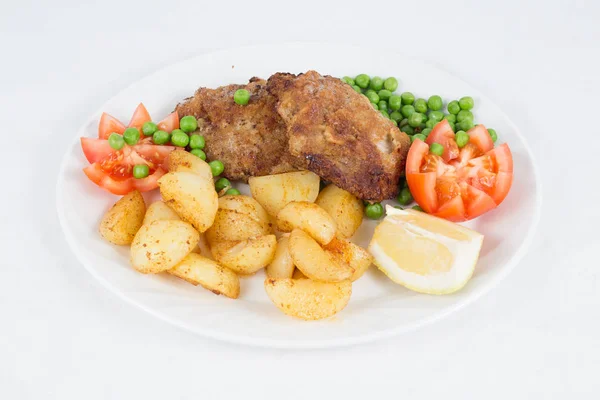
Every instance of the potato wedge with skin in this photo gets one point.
(306, 299)
(273, 192)
(310, 218)
(120, 224)
(343, 251)
(248, 206)
(181, 160)
(345, 208)
(313, 261)
(159, 211)
(191, 196)
(161, 245)
(233, 226)
(282, 265)
(245, 257)
(298, 274)
(199, 270)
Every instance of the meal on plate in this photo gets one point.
(318, 154)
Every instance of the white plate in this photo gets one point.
(378, 308)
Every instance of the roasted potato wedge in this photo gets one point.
(181, 160)
(199, 270)
(233, 226)
(345, 208)
(298, 274)
(310, 218)
(245, 257)
(273, 192)
(248, 206)
(191, 196)
(282, 265)
(345, 252)
(159, 211)
(161, 245)
(306, 299)
(120, 224)
(313, 261)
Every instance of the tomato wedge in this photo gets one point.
(109, 124)
(139, 118)
(170, 123)
(460, 185)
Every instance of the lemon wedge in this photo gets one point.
(424, 253)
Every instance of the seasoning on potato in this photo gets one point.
(248, 256)
(345, 208)
(120, 224)
(282, 265)
(309, 217)
(199, 270)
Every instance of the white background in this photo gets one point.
(537, 335)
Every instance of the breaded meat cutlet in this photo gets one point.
(336, 133)
(250, 140)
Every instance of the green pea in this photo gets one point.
(465, 125)
(450, 117)
(131, 136)
(140, 171)
(362, 81)
(426, 131)
(232, 192)
(149, 128)
(221, 184)
(464, 114)
(395, 102)
(493, 134)
(405, 197)
(417, 208)
(189, 123)
(466, 103)
(374, 211)
(382, 105)
(376, 83)
(421, 106)
(199, 153)
(407, 98)
(197, 142)
(384, 94)
(407, 110)
(241, 97)
(391, 84)
(430, 124)
(357, 88)
(415, 119)
(161, 137)
(461, 139)
(436, 115)
(372, 96)
(452, 126)
(418, 136)
(375, 106)
(394, 122)
(116, 141)
(216, 167)
(437, 149)
(453, 107)
(179, 138)
(409, 130)
(348, 80)
(396, 116)
(435, 103)
(384, 113)
(425, 119)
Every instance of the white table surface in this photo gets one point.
(536, 335)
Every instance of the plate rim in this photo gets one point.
(207, 332)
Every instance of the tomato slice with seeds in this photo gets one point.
(443, 134)
(464, 184)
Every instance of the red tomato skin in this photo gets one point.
(479, 136)
(139, 118)
(442, 134)
(453, 210)
(417, 151)
(109, 124)
(95, 149)
(170, 123)
(103, 180)
(150, 182)
(422, 188)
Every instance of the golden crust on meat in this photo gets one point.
(250, 140)
(336, 133)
